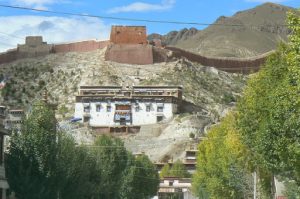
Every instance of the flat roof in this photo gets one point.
(120, 87)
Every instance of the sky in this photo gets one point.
(16, 24)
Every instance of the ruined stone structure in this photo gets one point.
(129, 45)
(33, 47)
(128, 35)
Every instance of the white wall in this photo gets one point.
(141, 117)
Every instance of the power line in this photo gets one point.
(134, 19)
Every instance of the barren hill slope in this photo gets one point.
(247, 33)
(208, 93)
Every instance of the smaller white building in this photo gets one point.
(117, 107)
(172, 187)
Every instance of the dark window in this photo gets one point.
(137, 109)
(122, 121)
(86, 119)
(170, 183)
(98, 108)
(86, 109)
(160, 109)
(148, 108)
(159, 118)
(108, 108)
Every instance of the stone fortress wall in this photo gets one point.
(35, 46)
(128, 44)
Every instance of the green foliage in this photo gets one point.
(270, 109)
(140, 172)
(63, 110)
(122, 175)
(45, 163)
(165, 171)
(292, 190)
(111, 157)
(177, 170)
(30, 163)
(222, 164)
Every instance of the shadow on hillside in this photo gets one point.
(189, 107)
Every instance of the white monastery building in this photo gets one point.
(113, 107)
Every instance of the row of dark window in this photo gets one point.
(108, 108)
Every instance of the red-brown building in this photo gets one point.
(128, 35)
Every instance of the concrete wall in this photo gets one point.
(239, 65)
(128, 35)
(83, 46)
(130, 54)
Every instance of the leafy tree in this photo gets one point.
(222, 163)
(45, 163)
(179, 170)
(165, 171)
(140, 180)
(123, 175)
(111, 157)
(30, 163)
(270, 109)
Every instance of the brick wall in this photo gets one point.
(128, 35)
(130, 54)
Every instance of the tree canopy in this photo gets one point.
(270, 109)
(222, 163)
(43, 162)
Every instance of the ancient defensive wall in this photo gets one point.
(130, 48)
(233, 65)
(35, 47)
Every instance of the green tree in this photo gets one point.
(30, 163)
(111, 157)
(140, 180)
(165, 171)
(123, 175)
(222, 165)
(179, 170)
(270, 109)
(45, 163)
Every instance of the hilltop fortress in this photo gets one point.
(129, 45)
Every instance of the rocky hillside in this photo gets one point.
(208, 93)
(255, 31)
(173, 37)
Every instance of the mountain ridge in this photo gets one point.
(247, 33)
